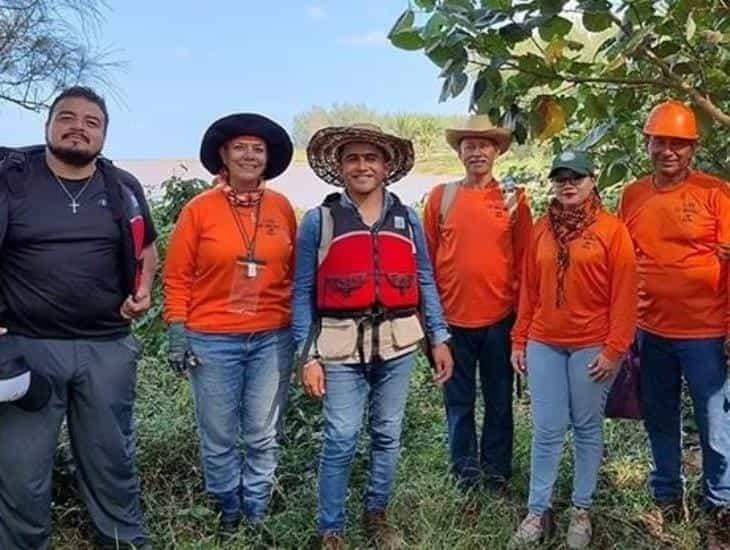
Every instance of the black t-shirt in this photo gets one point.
(62, 274)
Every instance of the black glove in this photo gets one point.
(179, 355)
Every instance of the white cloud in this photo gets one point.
(316, 12)
(373, 38)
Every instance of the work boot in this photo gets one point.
(719, 535)
(580, 529)
(332, 541)
(534, 529)
(379, 532)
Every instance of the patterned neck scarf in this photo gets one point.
(568, 224)
(240, 198)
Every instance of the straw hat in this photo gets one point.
(323, 151)
(480, 126)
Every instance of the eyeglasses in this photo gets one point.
(565, 180)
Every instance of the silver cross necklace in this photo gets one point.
(74, 204)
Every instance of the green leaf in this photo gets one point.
(515, 33)
(426, 4)
(458, 83)
(596, 21)
(594, 136)
(445, 90)
(616, 171)
(408, 40)
(555, 27)
(403, 23)
(690, 28)
(434, 26)
(502, 5)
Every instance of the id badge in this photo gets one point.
(246, 286)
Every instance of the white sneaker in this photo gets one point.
(580, 529)
(530, 532)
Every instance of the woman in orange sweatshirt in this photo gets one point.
(228, 281)
(576, 318)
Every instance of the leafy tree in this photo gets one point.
(45, 46)
(583, 72)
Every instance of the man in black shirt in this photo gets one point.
(77, 260)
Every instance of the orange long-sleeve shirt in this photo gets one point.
(600, 289)
(683, 285)
(476, 253)
(205, 282)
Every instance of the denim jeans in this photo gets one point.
(489, 347)
(564, 395)
(702, 362)
(240, 391)
(351, 390)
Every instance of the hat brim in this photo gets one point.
(565, 166)
(279, 146)
(30, 393)
(323, 152)
(501, 136)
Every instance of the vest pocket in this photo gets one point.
(337, 339)
(407, 331)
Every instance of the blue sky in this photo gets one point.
(189, 61)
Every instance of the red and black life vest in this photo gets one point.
(364, 269)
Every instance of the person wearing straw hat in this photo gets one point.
(678, 217)
(477, 229)
(362, 275)
(228, 279)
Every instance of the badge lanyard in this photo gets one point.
(249, 261)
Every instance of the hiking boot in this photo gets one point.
(719, 535)
(379, 532)
(579, 530)
(332, 541)
(534, 529)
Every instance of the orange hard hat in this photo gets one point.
(672, 119)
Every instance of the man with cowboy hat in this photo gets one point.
(677, 218)
(477, 231)
(362, 275)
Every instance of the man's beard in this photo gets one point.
(73, 157)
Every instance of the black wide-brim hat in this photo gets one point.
(278, 143)
(38, 392)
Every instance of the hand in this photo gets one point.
(179, 355)
(3, 330)
(519, 364)
(443, 363)
(135, 305)
(723, 250)
(313, 379)
(602, 368)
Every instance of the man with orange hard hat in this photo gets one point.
(678, 217)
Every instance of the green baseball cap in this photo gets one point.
(579, 162)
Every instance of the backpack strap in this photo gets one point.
(447, 199)
(326, 231)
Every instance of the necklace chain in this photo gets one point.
(74, 204)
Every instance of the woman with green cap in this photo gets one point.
(576, 318)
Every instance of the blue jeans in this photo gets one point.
(489, 347)
(350, 390)
(240, 391)
(563, 395)
(702, 362)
